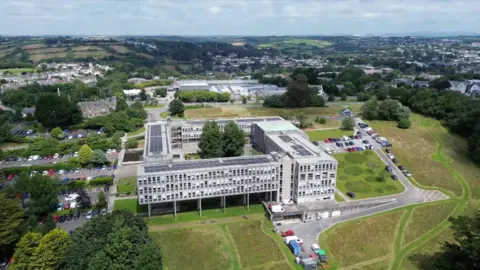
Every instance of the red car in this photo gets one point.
(10, 177)
(56, 219)
(328, 141)
(288, 233)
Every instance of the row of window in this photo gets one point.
(315, 192)
(317, 167)
(317, 184)
(229, 181)
(310, 176)
(213, 184)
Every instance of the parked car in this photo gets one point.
(394, 160)
(388, 168)
(315, 143)
(89, 214)
(103, 212)
(388, 150)
(407, 173)
(394, 177)
(351, 194)
(77, 215)
(401, 167)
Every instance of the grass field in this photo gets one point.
(424, 218)
(239, 245)
(46, 50)
(362, 240)
(86, 48)
(145, 55)
(16, 71)
(127, 185)
(130, 204)
(120, 49)
(320, 135)
(34, 46)
(437, 159)
(295, 42)
(236, 111)
(96, 54)
(40, 57)
(364, 174)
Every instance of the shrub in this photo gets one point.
(101, 181)
(404, 124)
(322, 120)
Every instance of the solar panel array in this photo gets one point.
(285, 138)
(301, 150)
(245, 120)
(198, 164)
(155, 140)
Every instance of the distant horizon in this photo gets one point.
(242, 17)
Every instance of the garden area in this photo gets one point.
(127, 185)
(364, 174)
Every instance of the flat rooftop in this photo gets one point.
(297, 146)
(156, 140)
(237, 120)
(277, 126)
(205, 164)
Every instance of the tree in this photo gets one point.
(53, 111)
(51, 249)
(176, 107)
(12, 222)
(298, 93)
(143, 95)
(98, 157)
(343, 97)
(403, 113)
(24, 251)
(331, 97)
(43, 197)
(322, 120)
(18, 114)
(370, 109)
(83, 199)
(233, 140)
(56, 133)
(102, 201)
(85, 154)
(348, 124)
(349, 89)
(404, 123)
(388, 109)
(302, 120)
(382, 94)
(464, 252)
(115, 241)
(30, 117)
(244, 99)
(162, 92)
(441, 84)
(210, 144)
(121, 105)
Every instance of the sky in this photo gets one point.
(237, 17)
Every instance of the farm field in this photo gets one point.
(239, 245)
(46, 50)
(16, 71)
(34, 46)
(320, 135)
(364, 174)
(437, 159)
(237, 111)
(40, 57)
(295, 42)
(96, 54)
(86, 48)
(120, 49)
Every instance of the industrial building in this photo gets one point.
(291, 169)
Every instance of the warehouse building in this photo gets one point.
(291, 170)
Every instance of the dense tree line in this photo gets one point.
(298, 94)
(214, 143)
(202, 96)
(387, 110)
(52, 110)
(278, 81)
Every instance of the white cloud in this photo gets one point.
(214, 10)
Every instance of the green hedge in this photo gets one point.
(101, 181)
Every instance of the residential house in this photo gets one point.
(459, 86)
(401, 81)
(473, 89)
(421, 84)
(340, 87)
(26, 111)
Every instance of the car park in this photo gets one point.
(351, 194)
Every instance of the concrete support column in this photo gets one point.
(303, 216)
(244, 199)
(149, 210)
(199, 203)
(222, 202)
(248, 201)
(175, 210)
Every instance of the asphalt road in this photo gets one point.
(310, 231)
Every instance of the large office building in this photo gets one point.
(291, 168)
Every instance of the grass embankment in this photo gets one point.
(364, 174)
(437, 159)
(320, 135)
(130, 204)
(240, 245)
(136, 132)
(127, 185)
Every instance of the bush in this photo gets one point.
(404, 124)
(322, 120)
(101, 181)
(331, 97)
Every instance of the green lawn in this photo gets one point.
(206, 214)
(136, 132)
(154, 106)
(127, 185)
(339, 198)
(364, 174)
(361, 240)
(130, 204)
(320, 135)
(424, 218)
